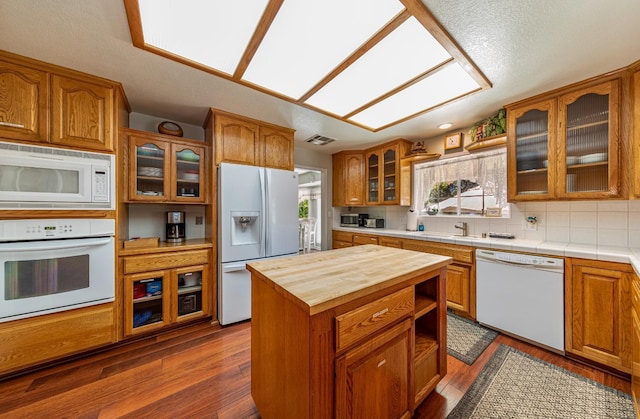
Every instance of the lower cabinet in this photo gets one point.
(372, 380)
(598, 319)
(458, 284)
(39, 339)
(635, 359)
(176, 291)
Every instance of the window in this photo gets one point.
(463, 186)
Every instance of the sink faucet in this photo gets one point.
(462, 227)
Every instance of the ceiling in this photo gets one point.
(523, 47)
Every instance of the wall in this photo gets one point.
(150, 123)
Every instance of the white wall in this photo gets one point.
(150, 123)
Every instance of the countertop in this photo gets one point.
(611, 254)
(323, 280)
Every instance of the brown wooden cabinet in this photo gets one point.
(370, 177)
(24, 111)
(373, 352)
(383, 180)
(368, 374)
(164, 169)
(50, 104)
(162, 289)
(461, 284)
(243, 140)
(566, 144)
(461, 290)
(635, 359)
(39, 339)
(635, 141)
(598, 323)
(348, 179)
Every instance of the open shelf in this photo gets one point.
(424, 304)
(425, 346)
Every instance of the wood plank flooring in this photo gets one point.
(200, 371)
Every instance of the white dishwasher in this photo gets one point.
(521, 295)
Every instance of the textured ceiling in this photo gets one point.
(524, 47)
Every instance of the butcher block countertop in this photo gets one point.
(320, 281)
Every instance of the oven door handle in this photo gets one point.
(57, 246)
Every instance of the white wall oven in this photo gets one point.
(53, 265)
(33, 177)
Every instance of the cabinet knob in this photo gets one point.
(381, 363)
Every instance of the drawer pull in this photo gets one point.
(381, 363)
(11, 124)
(380, 313)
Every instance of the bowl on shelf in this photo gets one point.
(594, 158)
(571, 160)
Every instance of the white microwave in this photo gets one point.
(33, 177)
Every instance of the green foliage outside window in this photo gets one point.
(303, 209)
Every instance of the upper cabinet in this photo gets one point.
(246, 141)
(369, 177)
(48, 104)
(383, 172)
(161, 168)
(566, 145)
(635, 143)
(348, 179)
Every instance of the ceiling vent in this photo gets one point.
(319, 140)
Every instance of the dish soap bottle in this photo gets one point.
(420, 226)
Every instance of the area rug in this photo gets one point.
(467, 340)
(517, 385)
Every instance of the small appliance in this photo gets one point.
(353, 220)
(374, 223)
(175, 227)
(33, 177)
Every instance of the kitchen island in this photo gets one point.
(360, 330)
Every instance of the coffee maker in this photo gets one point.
(175, 227)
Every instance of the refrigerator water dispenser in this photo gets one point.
(245, 228)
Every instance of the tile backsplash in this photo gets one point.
(597, 223)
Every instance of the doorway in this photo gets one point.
(310, 209)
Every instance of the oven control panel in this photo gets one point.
(20, 230)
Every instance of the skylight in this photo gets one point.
(372, 63)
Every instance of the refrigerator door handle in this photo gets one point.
(264, 246)
(234, 267)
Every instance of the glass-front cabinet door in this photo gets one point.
(390, 172)
(188, 165)
(148, 170)
(189, 292)
(146, 302)
(531, 164)
(588, 139)
(373, 178)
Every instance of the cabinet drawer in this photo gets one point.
(342, 236)
(361, 239)
(157, 261)
(459, 253)
(358, 323)
(340, 244)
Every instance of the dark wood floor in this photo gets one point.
(201, 372)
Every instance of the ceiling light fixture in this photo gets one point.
(372, 64)
(445, 125)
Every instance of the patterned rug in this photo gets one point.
(516, 385)
(467, 340)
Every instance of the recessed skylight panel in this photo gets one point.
(213, 33)
(447, 84)
(309, 38)
(401, 56)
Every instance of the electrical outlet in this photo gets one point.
(198, 220)
(529, 226)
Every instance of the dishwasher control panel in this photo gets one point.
(520, 259)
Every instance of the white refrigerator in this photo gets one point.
(257, 219)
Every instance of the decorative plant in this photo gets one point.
(494, 125)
